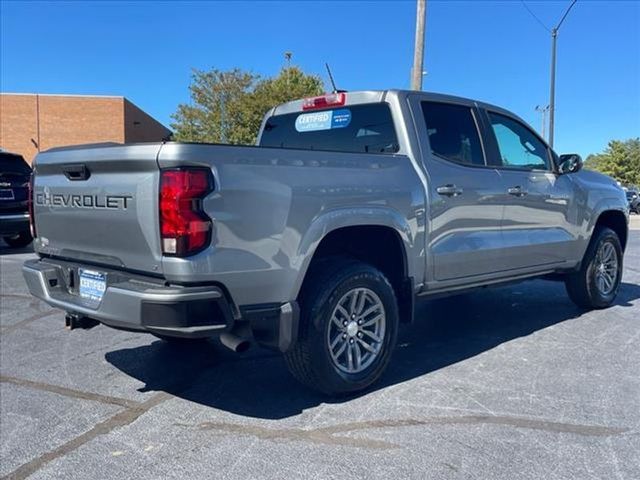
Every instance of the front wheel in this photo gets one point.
(596, 284)
(348, 327)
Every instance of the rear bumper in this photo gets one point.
(13, 223)
(133, 302)
(146, 304)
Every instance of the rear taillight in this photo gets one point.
(32, 221)
(184, 227)
(325, 101)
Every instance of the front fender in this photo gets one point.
(604, 205)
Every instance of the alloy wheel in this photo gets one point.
(356, 332)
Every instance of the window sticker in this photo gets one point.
(341, 118)
(312, 122)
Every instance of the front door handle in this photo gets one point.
(516, 191)
(449, 190)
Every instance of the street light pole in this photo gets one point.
(552, 89)
(544, 111)
(418, 51)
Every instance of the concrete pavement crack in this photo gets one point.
(70, 392)
(22, 323)
(121, 419)
(327, 435)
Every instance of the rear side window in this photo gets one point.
(366, 128)
(519, 146)
(453, 134)
(10, 163)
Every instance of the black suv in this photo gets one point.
(633, 197)
(15, 174)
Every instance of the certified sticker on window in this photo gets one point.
(312, 122)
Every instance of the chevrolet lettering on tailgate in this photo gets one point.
(83, 201)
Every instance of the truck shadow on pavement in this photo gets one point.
(446, 331)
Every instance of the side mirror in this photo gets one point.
(570, 163)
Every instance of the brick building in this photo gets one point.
(31, 122)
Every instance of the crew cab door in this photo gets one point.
(463, 193)
(536, 227)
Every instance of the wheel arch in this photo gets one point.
(378, 236)
(616, 220)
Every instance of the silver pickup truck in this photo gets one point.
(317, 241)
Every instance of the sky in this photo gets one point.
(494, 51)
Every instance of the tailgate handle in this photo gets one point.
(78, 171)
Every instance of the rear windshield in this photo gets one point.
(13, 164)
(366, 128)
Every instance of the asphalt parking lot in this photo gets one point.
(506, 383)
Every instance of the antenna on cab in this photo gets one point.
(333, 83)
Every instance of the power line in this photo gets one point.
(566, 13)
(536, 17)
(552, 90)
(554, 37)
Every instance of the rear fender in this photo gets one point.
(350, 217)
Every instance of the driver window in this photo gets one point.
(519, 147)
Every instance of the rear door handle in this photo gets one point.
(516, 191)
(449, 190)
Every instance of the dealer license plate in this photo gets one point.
(92, 284)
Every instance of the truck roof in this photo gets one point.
(372, 96)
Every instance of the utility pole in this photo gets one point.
(418, 50)
(544, 111)
(287, 56)
(552, 90)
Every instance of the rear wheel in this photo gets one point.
(596, 284)
(348, 329)
(19, 241)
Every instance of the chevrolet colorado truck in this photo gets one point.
(318, 240)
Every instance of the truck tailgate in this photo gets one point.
(99, 205)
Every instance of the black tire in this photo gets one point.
(309, 360)
(19, 241)
(581, 285)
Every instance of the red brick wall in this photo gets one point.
(71, 120)
(78, 120)
(18, 125)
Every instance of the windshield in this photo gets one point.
(366, 128)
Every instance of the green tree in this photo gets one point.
(620, 160)
(228, 107)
